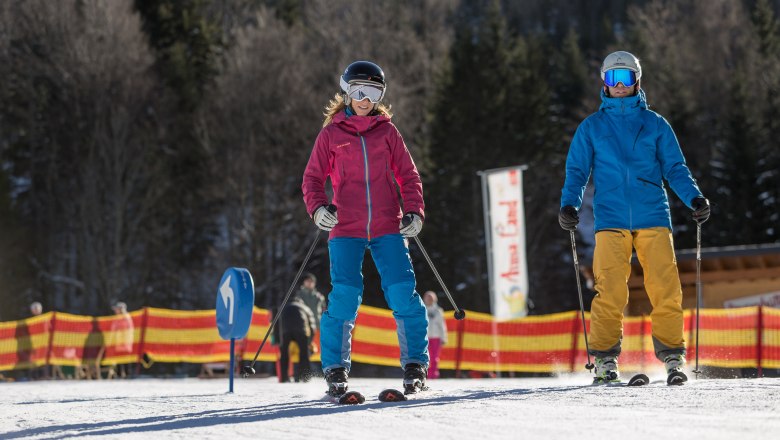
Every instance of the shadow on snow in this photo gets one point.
(259, 414)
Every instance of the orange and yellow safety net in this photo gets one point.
(736, 338)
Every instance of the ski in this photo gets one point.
(676, 378)
(392, 395)
(636, 380)
(348, 398)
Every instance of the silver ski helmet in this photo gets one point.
(621, 60)
(361, 80)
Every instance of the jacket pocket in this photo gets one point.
(617, 231)
(348, 159)
(390, 178)
(651, 183)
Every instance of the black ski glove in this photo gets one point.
(568, 218)
(701, 209)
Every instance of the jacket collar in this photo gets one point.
(358, 124)
(623, 106)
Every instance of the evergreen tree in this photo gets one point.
(188, 44)
(492, 110)
(16, 274)
(767, 31)
(736, 164)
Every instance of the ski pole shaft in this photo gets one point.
(459, 313)
(589, 365)
(250, 368)
(698, 292)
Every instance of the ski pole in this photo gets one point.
(589, 365)
(698, 293)
(249, 369)
(459, 313)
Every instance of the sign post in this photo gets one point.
(235, 303)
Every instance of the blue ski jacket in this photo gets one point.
(629, 150)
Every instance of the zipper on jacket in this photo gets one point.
(630, 213)
(368, 187)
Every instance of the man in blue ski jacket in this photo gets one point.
(629, 150)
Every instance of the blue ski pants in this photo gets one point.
(391, 256)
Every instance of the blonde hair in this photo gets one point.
(337, 104)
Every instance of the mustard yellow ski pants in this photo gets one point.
(612, 267)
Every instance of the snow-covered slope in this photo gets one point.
(553, 408)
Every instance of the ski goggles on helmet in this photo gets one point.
(615, 76)
(362, 90)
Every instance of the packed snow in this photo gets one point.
(506, 408)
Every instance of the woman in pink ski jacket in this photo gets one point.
(367, 161)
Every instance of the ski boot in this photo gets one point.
(337, 381)
(606, 370)
(674, 373)
(414, 378)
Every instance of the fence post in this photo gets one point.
(760, 341)
(691, 326)
(642, 342)
(142, 342)
(575, 331)
(459, 347)
(51, 338)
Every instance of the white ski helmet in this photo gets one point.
(621, 60)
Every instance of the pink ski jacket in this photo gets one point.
(364, 156)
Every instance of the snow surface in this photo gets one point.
(549, 408)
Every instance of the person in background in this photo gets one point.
(122, 336)
(296, 324)
(312, 297)
(629, 151)
(316, 303)
(36, 308)
(437, 331)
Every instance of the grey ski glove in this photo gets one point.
(411, 224)
(325, 217)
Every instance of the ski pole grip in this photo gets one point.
(331, 208)
(406, 220)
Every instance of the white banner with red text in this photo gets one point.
(506, 243)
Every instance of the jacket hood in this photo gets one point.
(358, 124)
(627, 105)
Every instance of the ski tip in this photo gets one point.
(392, 395)
(639, 380)
(351, 398)
(676, 378)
